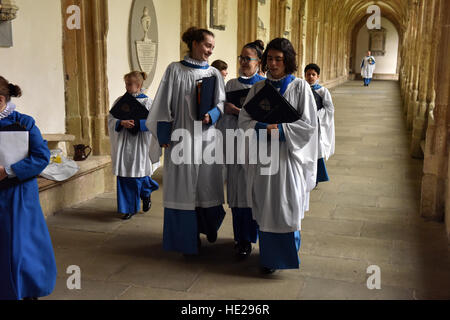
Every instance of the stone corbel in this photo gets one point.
(8, 10)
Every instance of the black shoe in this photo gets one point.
(30, 299)
(127, 216)
(212, 237)
(243, 250)
(266, 270)
(146, 204)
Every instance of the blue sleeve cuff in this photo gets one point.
(163, 131)
(259, 126)
(118, 126)
(282, 135)
(214, 114)
(143, 127)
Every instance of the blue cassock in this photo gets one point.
(27, 261)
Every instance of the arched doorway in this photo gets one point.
(388, 58)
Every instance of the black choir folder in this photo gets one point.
(14, 146)
(128, 108)
(237, 97)
(319, 100)
(269, 106)
(206, 88)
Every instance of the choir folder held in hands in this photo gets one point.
(128, 108)
(237, 97)
(269, 106)
(206, 88)
(14, 147)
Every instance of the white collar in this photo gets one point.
(8, 110)
(244, 77)
(190, 60)
(138, 94)
(269, 76)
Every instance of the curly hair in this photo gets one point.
(285, 46)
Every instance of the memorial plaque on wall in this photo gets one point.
(377, 42)
(143, 38)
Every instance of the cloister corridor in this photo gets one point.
(368, 214)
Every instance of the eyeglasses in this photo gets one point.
(247, 59)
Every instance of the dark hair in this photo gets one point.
(9, 90)
(285, 46)
(194, 34)
(313, 66)
(258, 46)
(220, 65)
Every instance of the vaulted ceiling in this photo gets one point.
(356, 10)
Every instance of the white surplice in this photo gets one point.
(188, 185)
(133, 156)
(280, 200)
(367, 69)
(236, 173)
(326, 125)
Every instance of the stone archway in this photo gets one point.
(356, 53)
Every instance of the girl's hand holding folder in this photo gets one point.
(3, 174)
(271, 127)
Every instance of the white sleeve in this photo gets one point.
(299, 133)
(326, 119)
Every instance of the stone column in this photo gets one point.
(414, 92)
(425, 73)
(193, 14)
(86, 83)
(434, 183)
(297, 32)
(277, 18)
(247, 29)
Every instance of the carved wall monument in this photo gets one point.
(143, 39)
(262, 31)
(8, 12)
(218, 14)
(377, 42)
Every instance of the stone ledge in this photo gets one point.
(58, 141)
(88, 166)
(58, 137)
(94, 177)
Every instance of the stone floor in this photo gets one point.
(367, 215)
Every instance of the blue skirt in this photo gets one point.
(27, 261)
(322, 174)
(130, 191)
(244, 227)
(279, 250)
(182, 227)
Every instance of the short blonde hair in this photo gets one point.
(140, 77)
